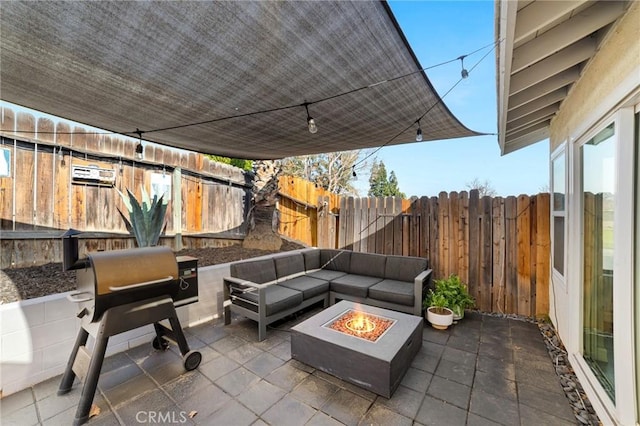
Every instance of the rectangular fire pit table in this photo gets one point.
(377, 366)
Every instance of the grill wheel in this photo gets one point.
(192, 360)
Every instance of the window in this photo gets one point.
(598, 170)
(558, 205)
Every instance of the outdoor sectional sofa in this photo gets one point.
(270, 289)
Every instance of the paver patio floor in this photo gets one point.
(482, 371)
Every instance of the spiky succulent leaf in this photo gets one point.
(146, 219)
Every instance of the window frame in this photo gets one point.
(559, 277)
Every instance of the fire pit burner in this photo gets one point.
(361, 324)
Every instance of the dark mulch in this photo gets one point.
(36, 281)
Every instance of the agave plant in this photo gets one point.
(146, 219)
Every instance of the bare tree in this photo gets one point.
(484, 188)
(263, 214)
(333, 171)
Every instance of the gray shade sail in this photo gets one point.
(163, 65)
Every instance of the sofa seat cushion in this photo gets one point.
(309, 286)
(400, 292)
(356, 285)
(326, 274)
(278, 299)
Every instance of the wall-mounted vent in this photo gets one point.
(93, 175)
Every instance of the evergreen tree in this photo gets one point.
(393, 188)
(382, 186)
(378, 180)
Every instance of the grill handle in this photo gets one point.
(73, 297)
(138, 285)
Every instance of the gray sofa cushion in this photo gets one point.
(324, 274)
(311, 259)
(278, 299)
(257, 271)
(367, 264)
(307, 285)
(289, 264)
(356, 285)
(404, 268)
(393, 291)
(335, 260)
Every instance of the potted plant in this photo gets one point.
(456, 295)
(437, 312)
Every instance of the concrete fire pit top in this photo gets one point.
(385, 348)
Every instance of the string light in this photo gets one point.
(61, 157)
(139, 147)
(464, 73)
(418, 132)
(311, 123)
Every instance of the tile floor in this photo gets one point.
(482, 371)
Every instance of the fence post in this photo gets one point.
(176, 196)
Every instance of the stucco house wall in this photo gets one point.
(617, 60)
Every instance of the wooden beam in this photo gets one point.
(537, 116)
(565, 34)
(529, 129)
(526, 140)
(533, 106)
(538, 90)
(539, 14)
(560, 61)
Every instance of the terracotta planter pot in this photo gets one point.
(440, 318)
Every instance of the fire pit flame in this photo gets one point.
(360, 324)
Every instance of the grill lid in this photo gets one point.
(132, 268)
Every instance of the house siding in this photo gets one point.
(617, 58)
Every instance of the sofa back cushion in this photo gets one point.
(335, 260)
(257, 271)
(368, 264)
(311, 259)
(289, 264)
(404, 268)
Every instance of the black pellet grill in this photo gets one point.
(118, 291)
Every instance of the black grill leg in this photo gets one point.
(91, 381)
(69, 376)
(179, 335)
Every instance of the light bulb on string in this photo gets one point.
(311, 123)
(464, 73)
(61, 157)
(139, 148)
(419, 133)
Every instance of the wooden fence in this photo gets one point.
(307, 213)
(499, 246)
(38, 192)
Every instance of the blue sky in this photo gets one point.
(439, 31)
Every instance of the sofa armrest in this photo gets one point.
(229, 281)
(420, 283)
(231, 284)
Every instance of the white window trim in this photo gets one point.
(624, 409)
(558, 277)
